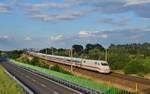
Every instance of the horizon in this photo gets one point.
(84, 46)
(62, 23)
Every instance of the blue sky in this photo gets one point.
(62, 23)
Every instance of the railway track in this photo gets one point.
(134, 83)
(131, 78)
(120, 80)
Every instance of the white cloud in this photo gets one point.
(121, 21)
(57, 38)
(4, 37)
(81, 8)
(43, 17)
(69, 15)
(85, 34)
(104, 36)
(4, 8)
(39, 6)
(66, 15)
(134, 2)
(28, 38)
(92, 34)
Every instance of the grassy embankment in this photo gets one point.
(77, 80)
(7, 85)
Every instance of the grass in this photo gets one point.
(7, 85)
(83, 82)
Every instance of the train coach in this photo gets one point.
(94, 65)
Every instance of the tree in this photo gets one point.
(118, 58)
(48, 50)
(92, 46)
(96, 54)
(136, 67)
(62, 52)
(78, 49)
(14, 54)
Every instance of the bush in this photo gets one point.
(59, 69)
(24, 59)
(147, 64)
(118, 61)
(35, 61)
(135, 67)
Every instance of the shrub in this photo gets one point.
(24, 59)
(59, 69)
(35, 61)
(147, 64)
(118, 61)
(135, 67)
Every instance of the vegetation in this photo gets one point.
(7, 85)
(0, 53)
(59, 69)
(74, 79)
(14, 54)
(36, 62)
(131, 58)
(127, 57)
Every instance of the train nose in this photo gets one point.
(106, 69)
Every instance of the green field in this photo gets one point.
(7, 85)
(77, 80)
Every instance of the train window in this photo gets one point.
(104, 64)
(84, 61)
(96, 63)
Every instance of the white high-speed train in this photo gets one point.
(94, 65)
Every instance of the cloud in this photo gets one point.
(82, 37)
(28, 39)
(77, 8)
(85, 34)
(65, 16)
(134, 2)
(123, 21)
(56, 38)
(4, 37)
(43, 17)
(93, 34)
(104, 36)
(73, 9)
(139, 7)
(49, 5)
(4, 8)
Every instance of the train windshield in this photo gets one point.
(104, 64)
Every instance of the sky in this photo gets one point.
(62, 23)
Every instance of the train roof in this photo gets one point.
(74, 58)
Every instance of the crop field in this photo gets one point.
(83, 82)
(7, 85)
